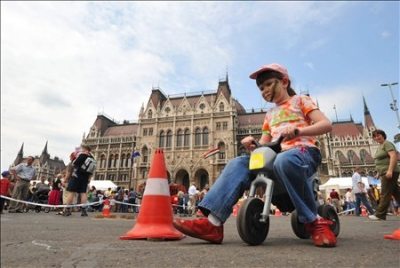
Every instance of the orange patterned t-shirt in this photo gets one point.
(292, 112)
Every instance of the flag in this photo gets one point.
(211, 152)
(135, 154)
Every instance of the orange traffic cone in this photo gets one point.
(106, 209)
(278, 213)
(155, 216)
(394, 236)
(364, 212)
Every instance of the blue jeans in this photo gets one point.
(362, 197)
(294, 168)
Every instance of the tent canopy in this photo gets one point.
(103, 185)
(342, 183)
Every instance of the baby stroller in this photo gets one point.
(41, 196)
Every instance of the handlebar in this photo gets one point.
(274, 145)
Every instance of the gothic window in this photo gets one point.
(162, 139)
(179, 138)
(127, 158)
(205, 136)
(218, 126)
(102, 161)
(221, 107)
(150, 114)
(145, 154)
(197, 137)
(115, 164)
(167, 110)
(150, 131)
(221, 147)
(363, 156)
(350, 156)
(169, 139)
(122, 160)
(145, 132)
(186, 138)
(224, 125)
(110, 161)
(202, 106)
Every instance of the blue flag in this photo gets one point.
(135, 154)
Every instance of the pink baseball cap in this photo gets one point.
(271, 67)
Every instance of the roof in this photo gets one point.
(344, 129)
(250, 119)
(121, 130)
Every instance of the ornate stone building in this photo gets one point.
(188, 125)
(44, 165)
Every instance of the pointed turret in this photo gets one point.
(369, 123)
(20, 156)
(45, 155)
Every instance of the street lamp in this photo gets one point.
(393, 105)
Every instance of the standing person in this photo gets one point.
(23, 173)
(192, 198)
(55, 193)
(4, 188)
(335, 198)
(298, 120)
(386, 164)
(360, 192)
(84, 166)
(349, 201)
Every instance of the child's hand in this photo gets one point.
(290, 132)
(249, 143)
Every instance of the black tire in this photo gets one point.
(329, 212)
(299, 228)
(250, 229)
(46, 210)
(38, 209)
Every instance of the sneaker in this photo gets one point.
(201, 228)
(321, 233)
(375, 218)
(66, 213)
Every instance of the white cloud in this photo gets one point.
(386, 34)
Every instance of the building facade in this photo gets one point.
(45, 166)
(188, 125)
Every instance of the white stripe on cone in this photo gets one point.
(156, 187)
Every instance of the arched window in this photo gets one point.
(179, 138)
(145, 154)
(221, 107)
(116, 158)
(221, 147)
(363, 156)
(150, 114)
(162, 139)
(197, 137)
(169, 139)
(122, 160)
(186, 138)
(205, 136)
(350, 156)
(110, 161)
(102, 161)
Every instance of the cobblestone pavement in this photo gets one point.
(48, 240)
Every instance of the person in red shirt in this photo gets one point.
(4, 188)
(335, 199)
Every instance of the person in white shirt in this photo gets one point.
(349, 202)
(192, 198)
(360, 192)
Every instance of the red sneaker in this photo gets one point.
(321, 233)
(201, 228)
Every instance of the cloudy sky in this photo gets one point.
(62, 63)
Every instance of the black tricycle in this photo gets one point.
(253, 216)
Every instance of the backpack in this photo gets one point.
(89, 166)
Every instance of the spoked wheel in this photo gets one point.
(250, 229)
(299, 228)
(329, 212)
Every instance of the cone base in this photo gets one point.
(153, 233)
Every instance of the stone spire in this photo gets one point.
(20, 156)
(45, 155)
(369, 123)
